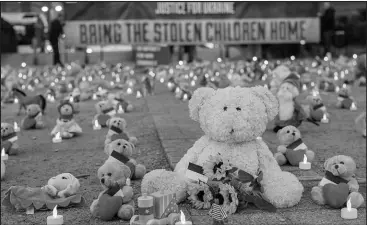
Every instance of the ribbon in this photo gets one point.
(107, 110)
(120, 157)
(145, 211)
(66, 117)
(335, 179)
(195, 168)
(10, 136)
(318, 106)
(116, 129)
(297, 145)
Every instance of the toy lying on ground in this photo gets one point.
(9, 139)
(60, 190)
(291, 148)
(345, 101)
(25, 100)
(120, 103)
(120, 151)
(339, 184)
(34, 118)
(66, 124)
(117, 197)
(105, 111)
(316, 109)
(117, 130)
(361, 124)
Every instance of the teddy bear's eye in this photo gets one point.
(225, 108)
(287, 131)
(109, 174)
(238, 109)
(119, 144)
(64, 178)
(341, 162)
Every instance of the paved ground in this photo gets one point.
(178, 132)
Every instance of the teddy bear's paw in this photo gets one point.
(317, 196)
(133, 140)
(126, 212)
(310, 155)
(94, 208)
(158, 180)
(356, 199)
(13, 151)
(129, 108)
(51, 190)
(282, 189)
(140, 171)
(281, 149)
(66, 135)
(280, 158)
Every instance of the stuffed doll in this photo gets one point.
(290, 111)
(361, 124)
(339, 184)
(9, 139)
(105, 111)
(66, 124)
(316, 108)
(34, 118)
(117, 130)
(62, 185)
(291, 148)
(120, 151)
(345, 101)
(117, 197)
(74, 99)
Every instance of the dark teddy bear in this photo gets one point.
(66, 124)
(345, 101)
(117, 130)
(9, 139)
(105, 111)
(33, 120)
(317, 109)
(120, 151)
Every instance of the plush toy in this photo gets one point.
(121, 102)
(316, 109)
(105, 111)
(117, 197)
(74, 99)
(62, 185)
(120, 151)
(290, 111)
(279, 74)
(117, 130)
(232, 118)
(361, 124)
(291, 148)
(66, 124)
(345, 101)
(339, 184)
(34, 119)
(9, 139)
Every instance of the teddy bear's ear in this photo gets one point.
(198, 99)
(326, 163)
(75, 185)
(269, 100)
(108, 122)
(126, 170)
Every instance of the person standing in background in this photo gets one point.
(327, 26)
(56, 30)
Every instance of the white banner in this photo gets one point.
(186, 32)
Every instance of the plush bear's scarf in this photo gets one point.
(316, 107)
(109, 111)
(341, 97)
(331, 179)
(11, 137)
(116, 129)
(125, 160)
(297, 145)
(66, 117)
(34, 116)
(115, 191)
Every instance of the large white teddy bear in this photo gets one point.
(232, 119)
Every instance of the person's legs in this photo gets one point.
(55, 48)
(327, 35)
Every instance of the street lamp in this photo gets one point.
(58, 8)
(44, 8)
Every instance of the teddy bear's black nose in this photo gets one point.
(336, 166)
(232, 131)
(294, 134)
(102, 180)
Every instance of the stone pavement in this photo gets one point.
(178, 132)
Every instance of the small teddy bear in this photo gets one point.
(317, 109)
(120, 151)
(74, 99)
(105, 111)
(9, 139)
(66, 124)
(117, 197)
(33, 120)
(361, 124)
(62, 185)
(339, 184)
(345, 101)
(291, 148)
(121, 102)
(117, 130)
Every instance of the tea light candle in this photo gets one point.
(185, 97)
(183, 220)
(57, 138)
(337, 89)
(16, 101)
(304, 87)
(71, 99)
(324, 119)
(138, 94)
(4, 156)
(305, 165)
(121, 110)
(16, 127)
(55, 219)
(353, 107)
(94, 97)
(96, 125)
(349, 213)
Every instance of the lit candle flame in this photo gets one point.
(121, 110)
(71, 99)
(185, 97)
(344, 85)
(304, 159)
(3, 152)
(304, 87)
(349, 205)
(58, 135)
(16, 101)
(54, 212)
(353, 106)
(337, 89)
(324, 117)
(183, 219)
(177, 90)
(94, 96)
(138, 94)
(161, 80)
(96, 124)
(129, 91)
(15, 125)
(193, 83)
